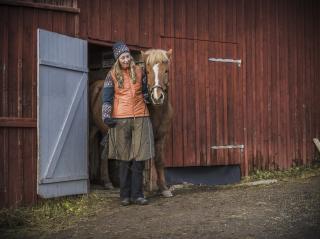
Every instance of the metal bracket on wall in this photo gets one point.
(237, 146)
(226, 60)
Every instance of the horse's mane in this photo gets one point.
(156, 56)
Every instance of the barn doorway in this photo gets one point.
(103, 172)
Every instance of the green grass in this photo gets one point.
(51, 215)
(294, 172)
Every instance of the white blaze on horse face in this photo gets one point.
(156, 79)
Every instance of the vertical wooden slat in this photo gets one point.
(202, 19)
(83, 18)
(132, 24)
(168, 18)
(118, 22)
(105, 20)
(191, 19)
(190, 81)
(179, 18)
(28, 62)
(28, 151)
(4, 106)
(94, 19)
(146, 22)
(45, 20)
(59, 22)
(178, 107)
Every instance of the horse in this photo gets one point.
(156, 63)
(161, 111)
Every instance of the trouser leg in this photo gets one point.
(125, 179)
(137, 179)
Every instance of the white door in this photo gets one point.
(62, 115)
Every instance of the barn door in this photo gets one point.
(62, 115)
(206, 95)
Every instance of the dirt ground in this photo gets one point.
(285, 209)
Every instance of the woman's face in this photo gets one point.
(125, 60)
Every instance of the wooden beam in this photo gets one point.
(317, 143)
(18, 122)
(40, 6)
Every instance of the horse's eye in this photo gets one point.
(166, 71)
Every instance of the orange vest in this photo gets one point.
(128, 100)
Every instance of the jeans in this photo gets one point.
(131, 179)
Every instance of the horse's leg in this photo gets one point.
(104, 166)
(159, 165)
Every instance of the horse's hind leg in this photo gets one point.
(104, 167)
(159, 165)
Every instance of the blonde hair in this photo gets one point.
(119, 73)
(156, 56)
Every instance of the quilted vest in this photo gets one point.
(128, 100)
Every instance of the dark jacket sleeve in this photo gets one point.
(145, 88)
(107, 97)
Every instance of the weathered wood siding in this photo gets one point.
(277, 86)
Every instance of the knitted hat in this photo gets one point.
(119, 48)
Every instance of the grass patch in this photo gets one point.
(294, 172)
(51, 215)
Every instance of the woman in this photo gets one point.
(124, 110)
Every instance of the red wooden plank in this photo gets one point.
(177, 104)
(14, 169)
(59, 22)
(293, 85)
(45, 20)
(202, 19)
(4, 61)
(189, 107)
(28, 75)
(105, 20)
(184, 107)
(213, 89)
(83, 18)
(259, 78)
(202, 78)
(219, 104)
(249, 41)
(179, 18)
(157, 23)
(132, 26)
(191, 19)
(94, 19)
(267, 77)
(118, 20)
(71, 24)
(13, 60)
(242, 75)
(168, 18)
(308, 76)
(146, 23)
(29, 156)
(4, 167)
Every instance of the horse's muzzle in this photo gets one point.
(157, 95)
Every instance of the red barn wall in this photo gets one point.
(276, 92)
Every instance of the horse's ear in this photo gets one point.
(169, 53)
(143, 55)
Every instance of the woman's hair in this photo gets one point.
(119, 75)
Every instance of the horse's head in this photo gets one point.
(157, 69)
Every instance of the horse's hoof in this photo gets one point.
(108, 186)
(167, 194)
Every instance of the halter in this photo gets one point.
(163, 94)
